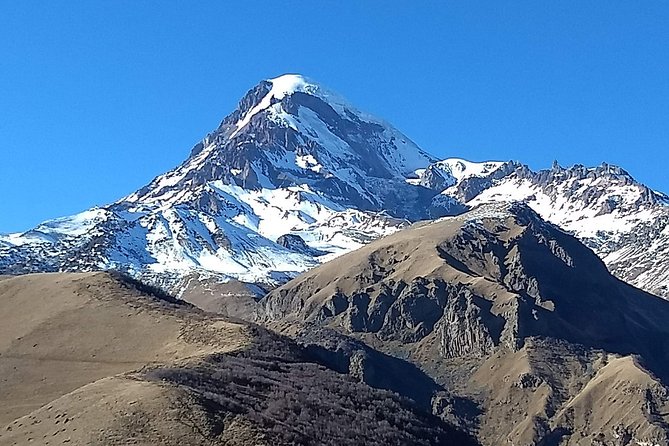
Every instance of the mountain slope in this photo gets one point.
(504, 308)
(61, 331)
(98, 359)
(290, 131)
(622, 220)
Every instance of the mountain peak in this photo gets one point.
(279, 87)
(270, 92)
(289, 131)
(290, 83)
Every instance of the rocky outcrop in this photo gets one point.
(500, 308)
(296, 243)
(622, 220)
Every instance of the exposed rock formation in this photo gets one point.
(503, 308)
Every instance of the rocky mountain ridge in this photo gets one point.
(622, 220)
(505, 310)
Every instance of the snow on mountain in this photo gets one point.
(296, 176)
(293, 159)
(455, 170)
(622, 220)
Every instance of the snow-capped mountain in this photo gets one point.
(296, 175)
(293, 158)
(622, 220)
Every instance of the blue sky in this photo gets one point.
(97, 98)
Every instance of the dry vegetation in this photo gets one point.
(99, 359)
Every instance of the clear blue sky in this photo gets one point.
(98, 97)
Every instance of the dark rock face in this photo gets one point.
(367, 153)
(557, 283)
(494, 289)
(250, 100)
(348, 355)
(296, 243)
(433, 179)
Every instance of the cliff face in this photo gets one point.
(500, 307)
